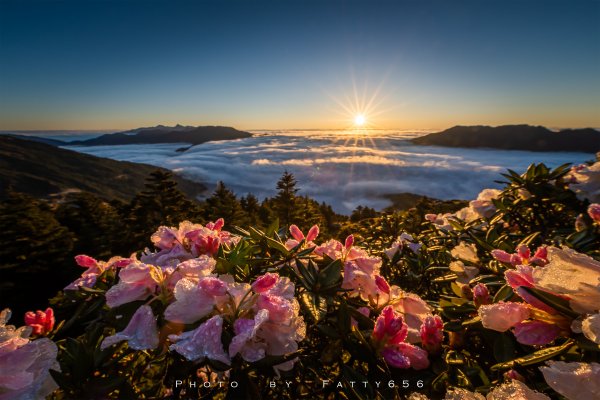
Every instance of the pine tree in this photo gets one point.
(160, 203)
(35, 248)
(285, 204)
(224, 204)
(95, 223)
(251, 207)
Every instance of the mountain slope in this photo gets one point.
(165, 134)
(515, 137)
(41, 170)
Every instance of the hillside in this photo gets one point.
(515, 137)
(165, 134)
(41, 170)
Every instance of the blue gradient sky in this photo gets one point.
(284, 64)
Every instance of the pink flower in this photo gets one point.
(202, 342)
(395, 358)
(265, 282)
(389, 327)
(208, 239)
(141, 333)
(24, 363)
(280, 310)
(522, 256)
(594, 212)
(246, 342)
(298, 236)
(403, 240)
(382, 284)
(360, 277)
(213, 286)
(332, 249)
(432, 334)
(574, 380)
(536, 333)
(481, 295)
(404, 356)
(195, 300)
(41, 322)
(413, 309)
(86, 261)
(514, 375)
(136, 282)
(503, 315)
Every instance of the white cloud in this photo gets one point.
(342, 170)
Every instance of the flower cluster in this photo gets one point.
(24, 363)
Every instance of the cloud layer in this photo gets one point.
(343, 170)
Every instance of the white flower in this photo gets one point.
(571, 274)
(574, 380)
(587, 182)
(591, 328)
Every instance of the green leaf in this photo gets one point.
(314, 305)
(331, 275)
(504, 347)
(559, 304)
(536, 357)
(503, 294)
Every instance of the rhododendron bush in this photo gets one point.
(499, 300)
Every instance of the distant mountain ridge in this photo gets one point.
(166, 134)
(42, 170)
(515, 137)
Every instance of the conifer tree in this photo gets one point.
(251, 207)
(285, 203)
(35, 248)
(224, 204)
(95, 223)
(160, 203)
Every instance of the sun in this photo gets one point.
(359, 120)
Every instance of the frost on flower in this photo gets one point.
(202, 342)
(141, 333)
(574, 380)
(24, 364)
(591, 328)
(586, 181)
(195, 299)
(136, 282)
(413, 309)
(246, 340)
(503, 315)
(571, 274)
(176, 245)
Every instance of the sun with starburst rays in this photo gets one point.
(359, 107)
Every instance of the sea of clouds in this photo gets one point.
(342, 169)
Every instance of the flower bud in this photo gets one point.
(382, 284)
(594, 212)
(481, 295)
(432, 334)
(512, 374)
(265, 282)
(42, 322)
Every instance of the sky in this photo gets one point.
(298, 64)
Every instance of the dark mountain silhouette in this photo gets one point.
(166, 134)
(52, 142)
(515, 137)
(42, 170)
